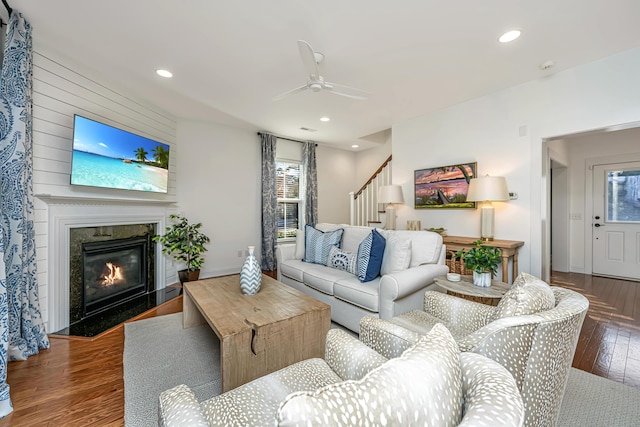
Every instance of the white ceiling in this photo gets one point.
(230, 58)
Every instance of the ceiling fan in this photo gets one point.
(317, 83)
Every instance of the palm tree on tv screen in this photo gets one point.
(161, 156)
(141, 154)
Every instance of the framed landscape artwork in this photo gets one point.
(444, 187)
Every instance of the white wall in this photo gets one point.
(488, 130)
(336, 179)
(368, 161)
(220, 185)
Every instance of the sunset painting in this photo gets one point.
(444, 187)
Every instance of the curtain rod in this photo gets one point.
(280, 137)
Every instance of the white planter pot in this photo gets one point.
(482, 279)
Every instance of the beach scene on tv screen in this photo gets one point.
(104, 156)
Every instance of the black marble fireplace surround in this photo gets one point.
(98, 297)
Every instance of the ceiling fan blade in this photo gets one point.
(289, 93)
(349, 92)
(308, 58)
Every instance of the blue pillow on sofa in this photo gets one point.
(370, 254)
(317, 244)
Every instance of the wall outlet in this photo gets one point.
(513, 196)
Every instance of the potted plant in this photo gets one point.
(184, 242)
(482, 260)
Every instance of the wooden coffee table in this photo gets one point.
(258, 334)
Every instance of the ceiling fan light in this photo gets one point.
(509, 36)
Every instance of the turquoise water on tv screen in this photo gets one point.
(99, 171)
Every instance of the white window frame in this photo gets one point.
(300, 200)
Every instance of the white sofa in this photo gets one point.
(411, 261)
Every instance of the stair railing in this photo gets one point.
(364, 206)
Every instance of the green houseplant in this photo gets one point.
(483, 260)
(184, 242)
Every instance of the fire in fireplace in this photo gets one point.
(113, 272)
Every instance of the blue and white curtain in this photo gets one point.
(310, 174)
(269, 202)
(21, 328)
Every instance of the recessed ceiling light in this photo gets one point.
(324, 119)
(509, 36)
(355, 146)
(164, 73)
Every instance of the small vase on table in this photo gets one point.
(250, 275)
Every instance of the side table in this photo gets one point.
(508, 248)
(466, 289)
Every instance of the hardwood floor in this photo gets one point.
(76, 382)
(609, 343)
(79, 382)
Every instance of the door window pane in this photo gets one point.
(623, 196)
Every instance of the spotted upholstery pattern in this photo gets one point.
(488, 387)
(400, 392)
(527, 295)
(440, 373)
(179, 406)
(537, 349)
(247, 405)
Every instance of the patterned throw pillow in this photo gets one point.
(342, 260)
(527, 295)
(317, 244)
(370, 254)
(422, 387)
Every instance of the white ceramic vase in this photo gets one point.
(482, 279)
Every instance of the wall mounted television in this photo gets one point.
(108, 157)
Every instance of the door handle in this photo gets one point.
(598, 225)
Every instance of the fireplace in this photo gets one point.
(112, 276)
(113, 272)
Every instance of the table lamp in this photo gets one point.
(487, 189)
(390, 194)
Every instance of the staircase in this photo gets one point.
(365, 209)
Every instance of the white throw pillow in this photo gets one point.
(299, 244)
(397, 254)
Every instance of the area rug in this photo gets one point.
(159, 354)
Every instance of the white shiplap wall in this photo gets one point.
(61, 89)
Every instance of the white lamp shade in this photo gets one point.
(488, 188)
(390, 194)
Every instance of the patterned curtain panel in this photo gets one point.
(269, 202)
(21, 308)
(311, 183)
(5, 400)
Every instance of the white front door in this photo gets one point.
(616, 220)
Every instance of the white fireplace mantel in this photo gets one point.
(65, 214)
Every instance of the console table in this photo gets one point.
(508, 249)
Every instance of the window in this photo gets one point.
(623, 196)
(290, 202)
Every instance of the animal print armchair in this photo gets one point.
(432, 383)
(533, 332)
